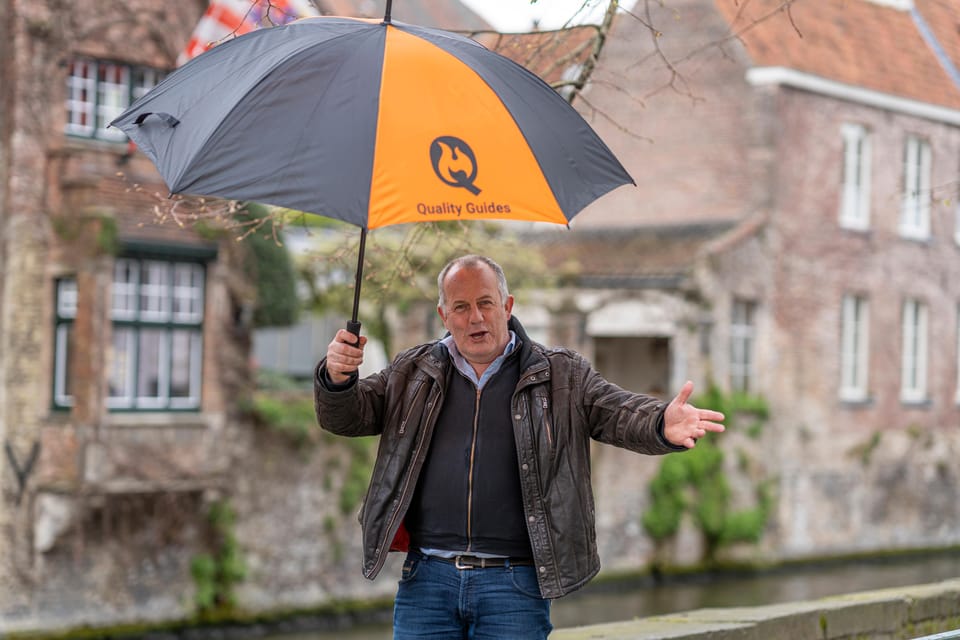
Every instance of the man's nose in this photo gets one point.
(475, 315)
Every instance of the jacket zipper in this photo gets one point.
(544, 405)
(473, 450)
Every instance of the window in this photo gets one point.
(154, 360)
(99, 91)
(742, 335)
(956, 394)
(956, 209)
(66, 313)
(915, 209)
(854, 345)
(855, 195)
(913, 387)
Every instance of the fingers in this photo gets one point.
(685, 392)
(712, 426)
(344, 355)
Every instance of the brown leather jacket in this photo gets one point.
(560, 403)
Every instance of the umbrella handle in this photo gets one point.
(354, 327)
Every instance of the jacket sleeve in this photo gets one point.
(354, 408)
(622, 418)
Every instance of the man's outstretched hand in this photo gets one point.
(684, 424)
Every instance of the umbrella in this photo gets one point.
(374, 123)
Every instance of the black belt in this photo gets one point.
(473, 562)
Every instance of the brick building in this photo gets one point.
(120, 339)
(794, 233)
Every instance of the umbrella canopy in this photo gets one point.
(374, 123)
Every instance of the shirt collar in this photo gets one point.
(467, 369)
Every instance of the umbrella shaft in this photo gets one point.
(359, 280)
(386, 15)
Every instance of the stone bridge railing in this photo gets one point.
(890, 614)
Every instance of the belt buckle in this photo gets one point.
(456, 563)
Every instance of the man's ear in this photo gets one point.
(443, 318)
(509, 305)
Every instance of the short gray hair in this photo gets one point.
(473, 261)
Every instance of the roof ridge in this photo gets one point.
(931, 39)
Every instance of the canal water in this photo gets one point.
(614, 600)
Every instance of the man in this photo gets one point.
(483, 469)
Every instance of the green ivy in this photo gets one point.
(271, 267)
(694, 482)
(865, 451)
(289, 414)
(108, 236)
(217, 573)
(286, 407)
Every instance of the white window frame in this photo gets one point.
(113, 96)
(187, 298)
(143, 305)
(915, 204)
(126, 274)
(854, 348)
(742, 342)
(155, 290)
(956, 372)
(81, 97)
(956, 217)
(855, 185)
(66, 313)
(915, 351)
(161, 398)
(121, 368)
(956, 210)
(99, 90)
(194, 363)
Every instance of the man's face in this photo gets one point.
(475, 315)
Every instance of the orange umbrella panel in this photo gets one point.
(447, 147)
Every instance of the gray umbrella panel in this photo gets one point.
(264, 116)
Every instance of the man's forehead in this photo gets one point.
(485, 295)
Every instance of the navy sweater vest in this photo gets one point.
(468, 496)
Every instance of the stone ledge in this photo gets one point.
(894, 614)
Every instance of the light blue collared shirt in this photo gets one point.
(467, 369)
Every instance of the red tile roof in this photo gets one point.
(855, 42)
(549, 54)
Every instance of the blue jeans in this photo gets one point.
(438, 601)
